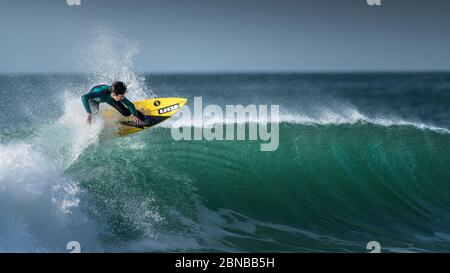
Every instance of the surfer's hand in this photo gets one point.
(89, 118)
(138, 121)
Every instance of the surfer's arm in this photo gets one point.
(85, 99)
(133, 111)
(130, 106)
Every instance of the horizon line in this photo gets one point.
(380, 71)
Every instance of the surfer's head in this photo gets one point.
(118, 90)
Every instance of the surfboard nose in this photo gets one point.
(183, 101)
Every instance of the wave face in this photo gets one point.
(361, 157)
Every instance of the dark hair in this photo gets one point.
(118, 88)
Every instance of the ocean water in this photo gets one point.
(361, 157)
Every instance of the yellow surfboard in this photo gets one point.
(154, 112)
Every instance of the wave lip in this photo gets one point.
(322, 116)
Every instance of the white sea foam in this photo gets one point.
(341, 115)
(39, 205)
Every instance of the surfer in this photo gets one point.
(113, 95)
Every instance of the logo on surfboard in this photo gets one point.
(169, 109)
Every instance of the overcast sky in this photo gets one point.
(230, 35)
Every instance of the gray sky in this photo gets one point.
(230, 35)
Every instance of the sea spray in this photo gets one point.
(110, 58)
(39, 205)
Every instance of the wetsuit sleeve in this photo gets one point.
(85, 99)
(130, 106)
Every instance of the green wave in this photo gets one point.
(326, 188)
